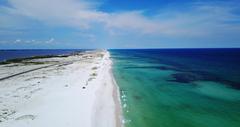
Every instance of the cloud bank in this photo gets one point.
(198, 20)
(82, 15)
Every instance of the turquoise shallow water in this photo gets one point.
(176, 88)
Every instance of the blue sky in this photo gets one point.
(119, 24)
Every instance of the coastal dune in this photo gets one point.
(73, 91)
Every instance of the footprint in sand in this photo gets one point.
(34, 91)
(25, 117)
(90, 79)
(15, 96)
(21, 88)
(27, 96)
(33, 84)
(5, 114)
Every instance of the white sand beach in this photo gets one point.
(74, 91)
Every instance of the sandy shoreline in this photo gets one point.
(77, 90)
(118, 110)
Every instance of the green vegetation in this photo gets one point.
(100, 55)
(27, 59)
(94, 68)
(94, 74)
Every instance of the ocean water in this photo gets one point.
(179, 87)
(12, 54)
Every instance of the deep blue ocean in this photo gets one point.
(12, 54)
(179, 87)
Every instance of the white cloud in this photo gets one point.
(132, 20)
(17, 41)
(65, 12)
(29, 41)
(201, 20)
(51, 40)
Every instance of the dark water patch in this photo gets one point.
(137, 97)
(235, 85)
(152, 67)
(185, 77)
(125, 58)
(191, 77)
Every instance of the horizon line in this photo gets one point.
(115, 48)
